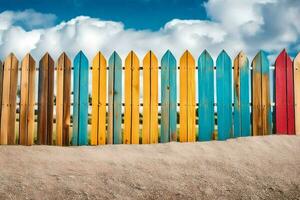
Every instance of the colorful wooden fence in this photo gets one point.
(110, 124)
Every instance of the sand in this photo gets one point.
(245, 168)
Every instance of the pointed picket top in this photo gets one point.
(28, 62)
(115, 58)
(241, 55)
(256, 61)
(260, 55)
(224, 56)
(64, 58)
(168, 53)
(80, 60)
(97, 60)
(261, 62)
(80, 55)
(187, 61)
(149, 60)
(282, 56)
(11, 58)
(168, 58)
(63, 55)
(297, 61)
(205, 55)
(47, 57)
(132, 60)
(241, 59)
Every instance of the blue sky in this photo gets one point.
(138, 14)
(38, 26)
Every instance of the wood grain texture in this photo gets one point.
(241, 96)
(114, 99)
(9, 95)
(98, 133)
(187, 98)
(168, 98)
(284, 95)
(81, 98)
(63, 100)
(131, 115)
(45, 100)
(296, 66)
(1, 91)
(206, 119)
(26, 125)
(150, 99)
(224, 96)
(261, 105)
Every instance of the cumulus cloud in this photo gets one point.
(232, 25)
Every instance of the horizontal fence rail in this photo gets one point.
(146, 101)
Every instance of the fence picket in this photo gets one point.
(26, 125)
(296, 66)
(98, 100)
(284, 90)
(261, 105)
(168, 98)
(187, 98)
(9, 97)
(206, 119)
(150, 100)
(241, 96)
(81, 99)
(1, 91)
(131, 114)
(45, 100)
(63, 100)
(114, 99)
(224, 96)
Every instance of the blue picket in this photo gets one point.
(115, 99)
(168, 98)
(241, 96)
(224, 96)
(81, 98)
(205, 97)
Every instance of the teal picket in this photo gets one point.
(81, 99)
(241, 96)
(266, 100)
(205, 97)
(114, 99)
(224, 96)
(168, 98)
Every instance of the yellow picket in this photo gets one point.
(131, 119)
(26, 126)
(187, 98)
(98, 100)
(296, 65)
(150, 100)
(9, 95)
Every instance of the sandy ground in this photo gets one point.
(244, 168)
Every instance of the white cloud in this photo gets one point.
(28, 19)
(233, 25)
